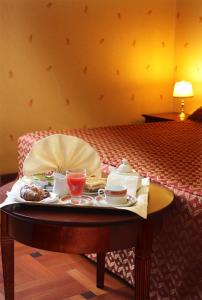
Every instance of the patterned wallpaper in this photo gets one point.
(87, 63)
(188, 44)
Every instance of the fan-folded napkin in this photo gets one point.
(59, 152)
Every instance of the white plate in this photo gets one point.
(90, 193)
(101, 201)
(53, 198)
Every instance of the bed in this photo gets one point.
(170, 153)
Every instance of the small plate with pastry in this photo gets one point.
(31, 193)
(93, 184)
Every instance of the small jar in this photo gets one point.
(60, 184)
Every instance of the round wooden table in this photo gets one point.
(84, 230)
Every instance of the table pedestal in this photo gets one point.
(7, 252)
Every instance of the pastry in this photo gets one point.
(33, 193)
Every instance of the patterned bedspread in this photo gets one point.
(170, 153)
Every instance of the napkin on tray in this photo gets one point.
(140, 207)
(13, 196)
(136, 185)
(59, 152)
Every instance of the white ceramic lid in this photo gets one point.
(125, 167)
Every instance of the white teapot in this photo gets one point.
(126, 176)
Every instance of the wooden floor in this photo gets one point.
(42, 275)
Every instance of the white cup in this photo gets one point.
(114, 194)
(60, 184)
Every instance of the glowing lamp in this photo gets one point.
(183, 89)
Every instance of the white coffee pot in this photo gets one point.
(125, 175)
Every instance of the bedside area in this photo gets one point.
(164, 117)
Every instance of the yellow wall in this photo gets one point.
(188, 44)
(75, 63)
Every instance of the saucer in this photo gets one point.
(84, 200)
(101, 201)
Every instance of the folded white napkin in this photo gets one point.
(131, 182)
(140, 208)
(137, 186)
(13, 196)
(59, 152)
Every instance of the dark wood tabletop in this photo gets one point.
(162, 117)
(67, 215)
(84, 230)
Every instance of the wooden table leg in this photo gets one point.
(7, 249)
(100, 269)
(143, 261)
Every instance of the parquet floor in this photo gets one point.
(42, 275)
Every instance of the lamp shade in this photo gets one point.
(183, 89)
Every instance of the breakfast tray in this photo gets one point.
(138, 206)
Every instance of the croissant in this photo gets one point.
(33, 193)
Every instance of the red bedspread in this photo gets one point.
(170, 153)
